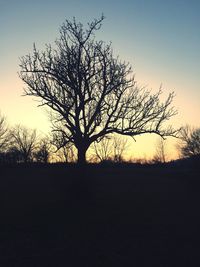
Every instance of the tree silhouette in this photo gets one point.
(160, 154)
(4, 134)
(24, 141)
(103, 149)
(42, 153)
(65, 152)
(190, 141)
(119, 147)
(92, 92)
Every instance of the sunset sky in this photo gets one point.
(160, 39)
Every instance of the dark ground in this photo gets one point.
(108, 216)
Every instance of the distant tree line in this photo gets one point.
(19, 144)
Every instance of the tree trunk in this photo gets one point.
(82, 155)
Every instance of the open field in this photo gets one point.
(55, 215)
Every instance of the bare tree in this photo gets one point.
(119, 147)
(4, 134)
(43, 151)
(93, 93)
(190, 138)
(103, 149)
(64, 150)
(160, 154)
(67, 153)
(24, 141)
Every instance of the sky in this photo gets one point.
(160, 39)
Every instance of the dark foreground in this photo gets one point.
(105, 216)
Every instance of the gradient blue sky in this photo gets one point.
(161, 40)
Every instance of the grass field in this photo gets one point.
(115, 215)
